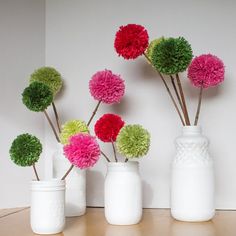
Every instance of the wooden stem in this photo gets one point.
(67, 172)
(57, 117)
(35, 171)
(114, 150)
(168, 90)
(126, 159)
(198, 106)
(94, 113)
(105, 156)
(52, 126)
(183, 100)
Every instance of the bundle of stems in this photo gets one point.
(178, 100)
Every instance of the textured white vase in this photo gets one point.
(47, 213)
(75, 203)
(123, 193)
(192, 181)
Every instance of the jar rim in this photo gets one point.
(128, 163)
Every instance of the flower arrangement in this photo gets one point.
(132, 141)
(169, 57)
(80, 148)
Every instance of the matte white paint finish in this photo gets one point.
(22, 49)
(79, 42)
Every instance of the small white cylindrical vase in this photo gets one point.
(192, 181)
(47, 213)
(75, 203)
(123, 193)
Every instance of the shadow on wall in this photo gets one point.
(147, 192)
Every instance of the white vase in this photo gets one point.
(47, 213)
(75, 203)
(192, 181)
(123, 193)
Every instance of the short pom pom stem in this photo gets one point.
(114, 150)
(168, 90)
(199, 106)
(126, 159)
(105, 156)
(52, 126)
(183, 101)
(35, 172)
(57, 117)
(94, 113)
(67, 172)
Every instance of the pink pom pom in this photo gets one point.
(107, 87)
(206, 71)
(83, 150)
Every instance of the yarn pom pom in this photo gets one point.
(25, 150)
(133, 141)
(82, 151)
(131, 41)
(152, 45)
(172, 55)
(71, 128)
(108, 127)
(107, 87)
(206, 71)
(37, 96)
(48, 76)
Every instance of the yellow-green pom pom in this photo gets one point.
(71, 128)
(133, 141)
(152, 45)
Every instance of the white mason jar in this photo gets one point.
(192, 181)
(75, 203)
(123, 193)
(47, 213)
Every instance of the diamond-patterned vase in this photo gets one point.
(192, 180)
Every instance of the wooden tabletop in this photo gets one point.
(156, 222)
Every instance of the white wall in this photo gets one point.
(79, 41)
(22, 49)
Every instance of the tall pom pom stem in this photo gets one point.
(35, 171)
(52, 126)
(105, 156)
(199, 106)
(67, 172)
(94, 113)
(57, 117)
(168, 90)
(183, 100)
(114, 150)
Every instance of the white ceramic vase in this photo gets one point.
(47, 213)
(123, 193)
(75, 203)
(192, 181)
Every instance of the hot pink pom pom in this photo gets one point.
(206, 70)
(107, 87)
(83, 150)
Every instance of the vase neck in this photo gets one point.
(123, 166)
(192, 130)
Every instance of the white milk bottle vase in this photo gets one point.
(123, 193)
(47, 213)
(192, 181)
(75, 203)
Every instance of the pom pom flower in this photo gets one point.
(37, 96)
(133, 141)
(71, 128)
(107, 87)
(49, 76)
(206, 71)
(172, 55)
(25, 150)
(108, 127)
(83, 150)
(131, 41)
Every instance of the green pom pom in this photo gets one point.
(71, 128)
(25, 150)
(172, 55)
(37, 97)
(152, 45)
(49, 76)
(133, 141)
